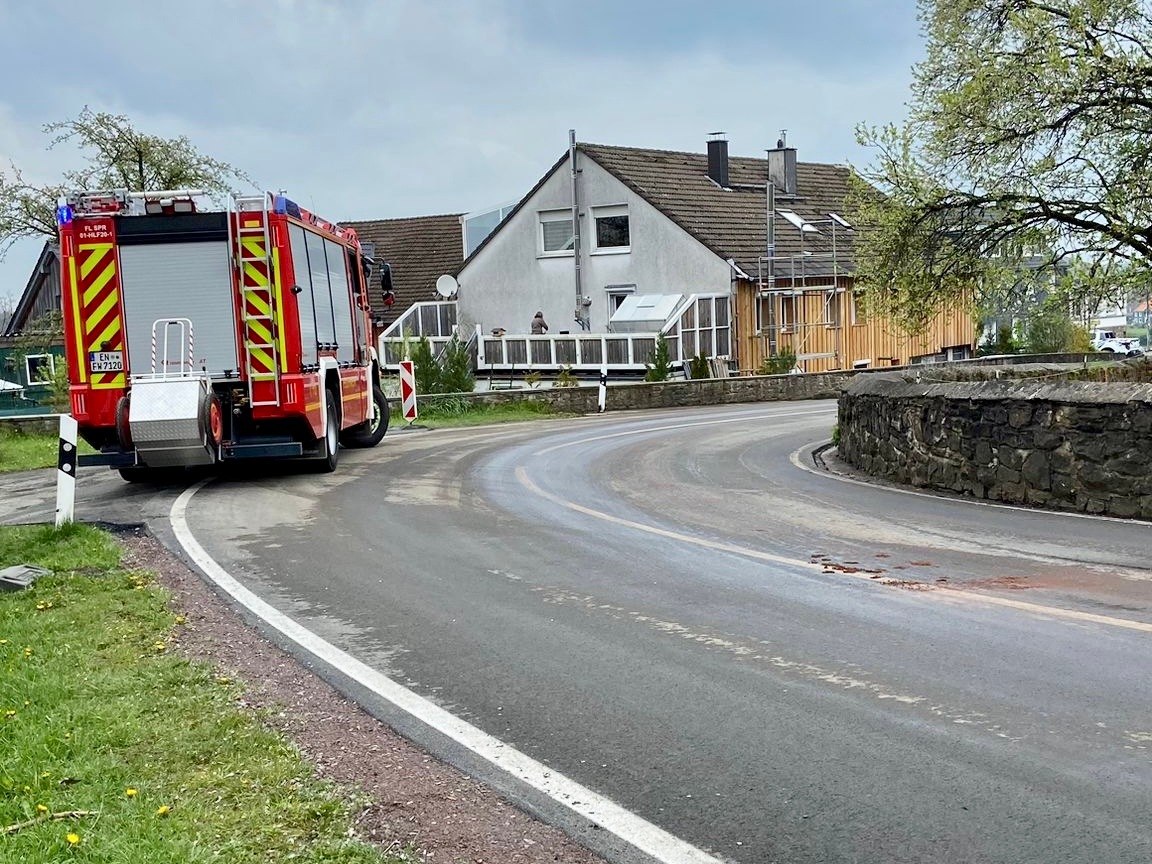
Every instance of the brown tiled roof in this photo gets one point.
(419, 249)
(732, 222)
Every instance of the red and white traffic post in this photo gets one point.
(408, 390)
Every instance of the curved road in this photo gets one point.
(773, 664)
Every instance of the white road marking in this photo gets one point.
(608, 815)
(647, 429)
(943, 590)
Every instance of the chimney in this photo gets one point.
(782, 166)
(718, 159)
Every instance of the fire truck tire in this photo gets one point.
(370, 433)
(123, 428)
(212, 419)
(331, 435)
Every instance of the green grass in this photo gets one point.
(22, 451)
(453, 411)
(98, 714)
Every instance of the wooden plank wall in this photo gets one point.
(869, 338)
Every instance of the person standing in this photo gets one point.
(539, 325)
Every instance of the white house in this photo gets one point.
(734, 258)
(626, 246)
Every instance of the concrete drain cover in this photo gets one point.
(20, 576)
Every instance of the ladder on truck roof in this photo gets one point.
(251, 242)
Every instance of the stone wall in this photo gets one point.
(673, 394)
(1069, 445)
(32, 425)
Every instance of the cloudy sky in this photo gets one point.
(382, 108)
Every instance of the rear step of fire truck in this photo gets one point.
(252, 245)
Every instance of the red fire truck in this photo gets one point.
(198, 336)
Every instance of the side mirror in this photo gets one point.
(386, 291)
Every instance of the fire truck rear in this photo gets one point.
(195, 337)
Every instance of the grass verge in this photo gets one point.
(146, 754)
(22, 451)
(438, 412)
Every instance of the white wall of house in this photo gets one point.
(513, 276)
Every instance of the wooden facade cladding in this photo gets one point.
(828, 332)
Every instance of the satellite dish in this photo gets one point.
(447, 286)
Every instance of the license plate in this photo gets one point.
(106, 361)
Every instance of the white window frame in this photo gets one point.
(545, 216)
(602, 213)
(787, 304)
(832, 313)
(857, 317)
(613, 291)
(28, 368)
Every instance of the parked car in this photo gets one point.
(1108, 342)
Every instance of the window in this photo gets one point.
(39, 367)
(556, 236)
(477, 226)
(787, 313)
(611, 224)
(341, 301)
(303, 280)
(616, 295)
(321, 291)
(857, 308)
(832, 309)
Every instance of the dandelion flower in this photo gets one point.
(159, 646)
(130, 792)
(40, 808)
(73, 839)
(45, 775)
(3, 641)
(10, 712)
(163, 810)
(180, 619)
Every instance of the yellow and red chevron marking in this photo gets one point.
(254, 285)
(101, 325)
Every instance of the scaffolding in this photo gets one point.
(817, 266)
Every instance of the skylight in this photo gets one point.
(802, 224)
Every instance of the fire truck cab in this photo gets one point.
(199, 336)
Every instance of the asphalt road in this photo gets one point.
(774, 665)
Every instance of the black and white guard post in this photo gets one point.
(603, 388)
(66, 472)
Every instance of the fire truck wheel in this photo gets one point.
(369, 433)
(212, 419)
(331, 435)
(123, 428)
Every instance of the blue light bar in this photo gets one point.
(63, 214)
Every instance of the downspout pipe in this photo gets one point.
(581, 310)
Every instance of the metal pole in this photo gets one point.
(66, 472)
(580, 308)
(770, 263)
